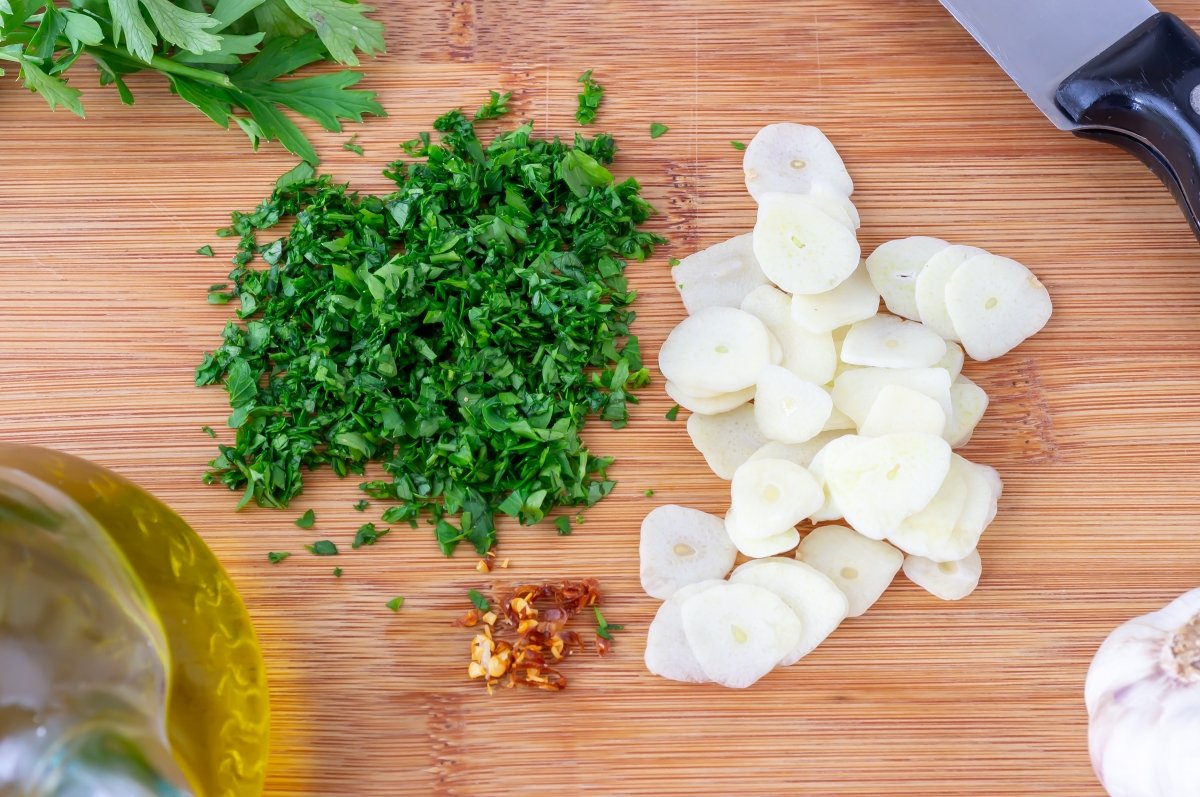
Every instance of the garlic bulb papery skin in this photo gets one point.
(1143, 701)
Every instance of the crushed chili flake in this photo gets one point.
(537, 616)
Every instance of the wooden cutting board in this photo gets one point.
(1093, 424)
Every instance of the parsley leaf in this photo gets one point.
(337, 572)
(208, 430)
(395, 603)
(367, 534)
(481, 603)
(604, 628)
(648, 493)
(322, 548)
(589, 99)
(227, 62)
(343, 27)
(673, 413)
(656, 129)
(306, 520)
(361, 505)
(738, 145)
(275, 557)
(350, 146)
(206, 250)
(495, 107)
(563, 524)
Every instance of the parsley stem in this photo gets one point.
(162, 64)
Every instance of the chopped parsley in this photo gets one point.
(589, 99)
(460, 331)
(603, 628)
(208, 430)
(395, 603)
(361, 505)
(738, 145)
(647, 493)
(306, 520)
(478, 601)
(563, 524)
(367, 534)
(275, 557)
(672, 413)
(657, 129)
(495, 107)
(337, 572)
(322, 548)
(351, 146)
(206, 250)
(673, 262)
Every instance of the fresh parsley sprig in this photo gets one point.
(229, 58)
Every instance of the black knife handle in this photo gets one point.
(1143, 94)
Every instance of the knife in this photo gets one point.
(1118, 71)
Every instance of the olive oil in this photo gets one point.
(128, 665)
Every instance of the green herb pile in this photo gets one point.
(227, 58)
(459, 330)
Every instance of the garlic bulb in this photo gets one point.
(1143, 702)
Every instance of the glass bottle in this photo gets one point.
(128, 665)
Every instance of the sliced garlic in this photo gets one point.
(680, 546)
(816, 600)
(854, 392)
(789, 409)
(886, 341)
(829, 510)
(719, 276)
(770, 496)
(995, 304)
(855, 299)
(898, 409)
(952, 360)
(717, 350)
(708, 405)
(668, 653)
(969, 402)
(877, 482)
(933, 531)
(861, 568)
(809, 355)
(794, 159)
(800, 453)
(950, 581)
(931, 287)
(754, 544)
(894, 268)
(738, 632)
(801, 248)
(726, 440)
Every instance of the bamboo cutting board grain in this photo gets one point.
(1093, 423)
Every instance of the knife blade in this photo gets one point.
(1117, 71)
(1038, 43)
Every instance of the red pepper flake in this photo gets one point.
(524, 638)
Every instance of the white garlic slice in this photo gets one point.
(950, 581)
(680, 546)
